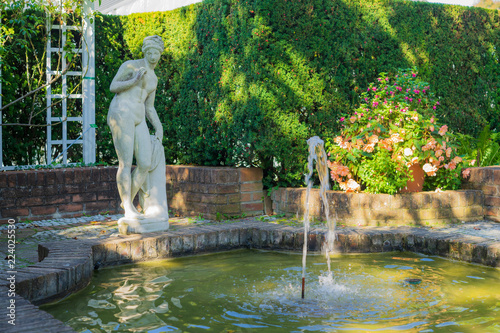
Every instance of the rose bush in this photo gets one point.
(394, 127)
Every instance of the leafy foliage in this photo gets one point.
(23, 69)
(23, 59)
(485, 149)
(246, 83)
(393, 129)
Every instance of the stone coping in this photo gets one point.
(67, 266)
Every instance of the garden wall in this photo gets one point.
(487, 180)
(366, 209)
(60, 193)
(215, 192)
(479, 200)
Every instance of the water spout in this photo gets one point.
(317, 153)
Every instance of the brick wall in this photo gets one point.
(424, 208)
(487, 179)
(194, 190)
(58, 193)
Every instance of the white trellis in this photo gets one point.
(87, 95)
(87, 117)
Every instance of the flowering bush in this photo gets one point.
(394, 128)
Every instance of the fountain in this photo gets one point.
(317, 153)
(255, 291)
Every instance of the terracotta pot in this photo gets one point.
(417, 183)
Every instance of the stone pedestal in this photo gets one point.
(135, 226)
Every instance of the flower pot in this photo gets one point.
(417, 183)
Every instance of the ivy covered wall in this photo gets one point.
(247, 82)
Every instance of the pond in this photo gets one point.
(260, 291)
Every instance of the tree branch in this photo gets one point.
(39, 88)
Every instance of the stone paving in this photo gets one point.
(29, 235)
(74, 248)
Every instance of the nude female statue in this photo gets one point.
(135, 88)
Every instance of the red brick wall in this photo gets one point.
(487, 179)
(58, 193)
(193, 190)
(55, 193)
(363, 209)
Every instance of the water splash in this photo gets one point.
(317, 153)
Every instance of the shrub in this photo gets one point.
(394, 128)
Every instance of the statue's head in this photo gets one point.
(153, 42)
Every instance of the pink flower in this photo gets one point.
(353, 185)
(375, 104)
(429, 169)
(448, 152)
(395, 138)
(416, 91)
(442, 131)
(374, 89)
(413, 74)
(466, 173)
(369, 148)
(342, 119)
(373, 138)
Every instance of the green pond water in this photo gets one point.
(259, 291)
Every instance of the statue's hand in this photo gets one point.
(140, 73)
(159, 135)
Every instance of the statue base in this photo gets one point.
(128, 226)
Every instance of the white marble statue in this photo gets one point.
(135, 89)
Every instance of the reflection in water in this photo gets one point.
(256, 291)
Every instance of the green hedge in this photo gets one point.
(21, 144)
(23, 70)
(247, 82)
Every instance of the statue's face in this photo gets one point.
(152, 55)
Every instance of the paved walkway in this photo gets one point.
(29, 235)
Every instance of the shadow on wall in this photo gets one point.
(366, 209)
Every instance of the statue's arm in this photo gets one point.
(125, 78)
(153, 115)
